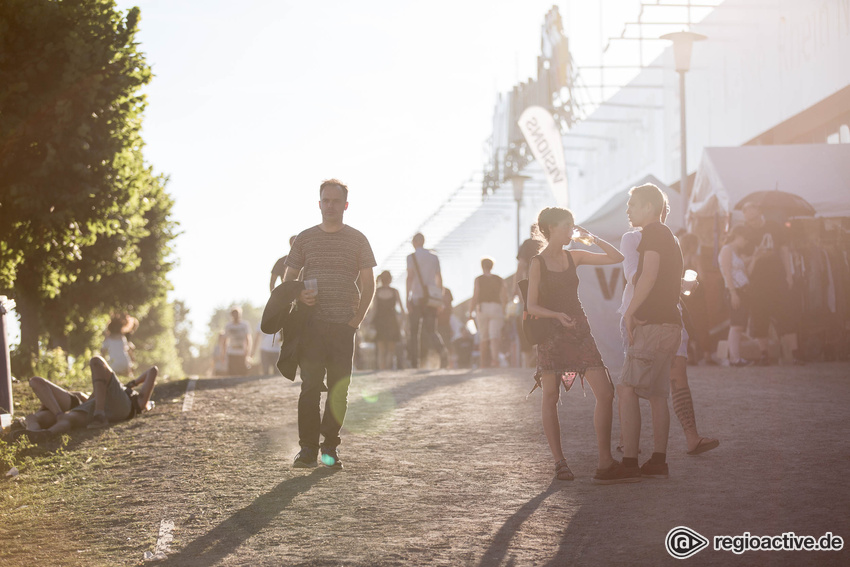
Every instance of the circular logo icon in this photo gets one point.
(683, 542)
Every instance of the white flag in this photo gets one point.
(544, 138)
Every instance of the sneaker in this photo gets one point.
(654, 470)
(330, 458)
(740, 363)
(19, 424)
(616, 474)
(98, 420)
(305, 459)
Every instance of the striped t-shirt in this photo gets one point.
(334, 259)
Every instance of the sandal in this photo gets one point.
(562, 471)
(705, 444)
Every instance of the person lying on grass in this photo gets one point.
(63, 411)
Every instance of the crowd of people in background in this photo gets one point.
(420, 326)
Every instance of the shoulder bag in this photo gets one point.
(536, 329)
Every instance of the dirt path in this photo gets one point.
(453, 469)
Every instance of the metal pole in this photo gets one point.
(683, 187)
(5, 367)
(517, 347)
(518, 241)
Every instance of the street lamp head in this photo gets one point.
(682, 43)
(518, 183)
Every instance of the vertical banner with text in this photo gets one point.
(544, 138)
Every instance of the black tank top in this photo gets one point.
(559, 290)
(490, 288)
(385, 306)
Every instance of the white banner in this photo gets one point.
(544, 138)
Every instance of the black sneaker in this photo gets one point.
(305, 459)
(654, 470)
(18, 424)
(616, 474)
(330, 458)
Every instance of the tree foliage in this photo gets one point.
(85, 224)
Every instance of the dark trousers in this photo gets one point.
(423, 334)
(326, 349)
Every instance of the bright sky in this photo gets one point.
(254, 103)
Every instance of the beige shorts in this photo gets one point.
(490, 320)
(648, 360)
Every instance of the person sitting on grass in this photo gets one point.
(63, 411)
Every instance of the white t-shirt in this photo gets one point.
(237, 337)
(269, 343)
(631, 258)
(118, 352)
(430, 266)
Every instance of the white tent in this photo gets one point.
(601, 287)
(819, 173)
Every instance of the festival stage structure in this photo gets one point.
(768, 72)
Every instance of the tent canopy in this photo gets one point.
(820, 173)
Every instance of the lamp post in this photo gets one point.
(683, 43)
(518, 183)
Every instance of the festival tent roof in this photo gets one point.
(820, 173)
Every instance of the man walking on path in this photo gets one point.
(334, 257)
(654, 329)
(424, 282)
(237, 336)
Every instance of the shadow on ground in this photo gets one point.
(501, 544)
(225, 538)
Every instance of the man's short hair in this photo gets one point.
(334, 183)
(487, 263)
(649, 193)
(418, 238)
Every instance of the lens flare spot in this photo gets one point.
(328, 461)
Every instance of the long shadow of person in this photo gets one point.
(222, 540)
(498, 549)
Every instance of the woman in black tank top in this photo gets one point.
(570, 350)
